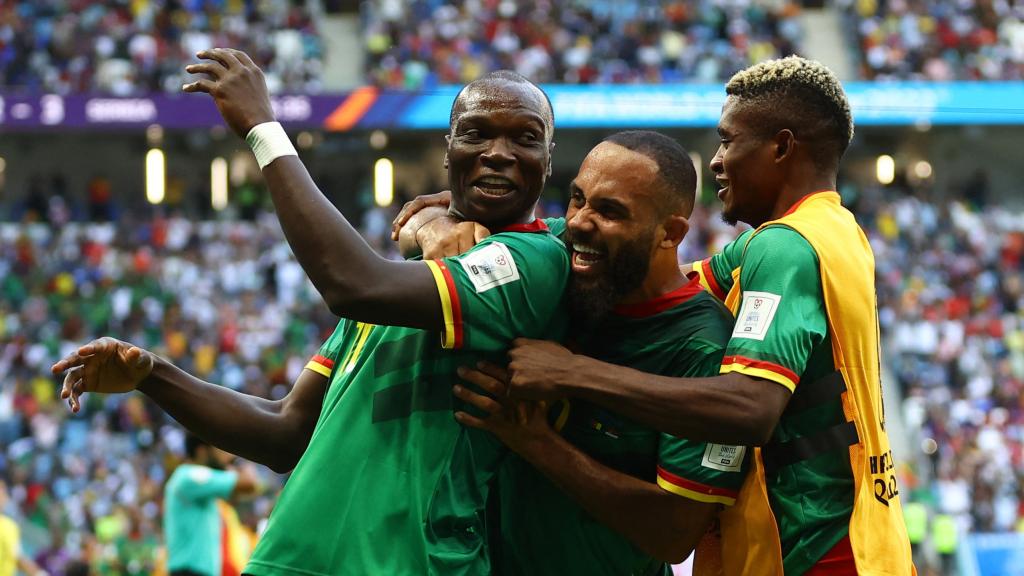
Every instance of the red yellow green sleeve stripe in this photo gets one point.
(321, 365)
(451, 337)
(695, 490)
(707, 278)
(760, 369)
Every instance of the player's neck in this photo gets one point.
(662, 278)
(793, 193)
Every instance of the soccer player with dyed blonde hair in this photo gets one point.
(800, 377)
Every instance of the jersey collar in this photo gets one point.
(537, 225)
(661, 303)
(799, 202)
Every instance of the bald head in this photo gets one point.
(509, 87)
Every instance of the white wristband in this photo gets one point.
(269, 142)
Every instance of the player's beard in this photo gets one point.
(591, 299)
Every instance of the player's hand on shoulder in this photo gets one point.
(237, 86)
(105, 365)
(417, 204)
(449, 237)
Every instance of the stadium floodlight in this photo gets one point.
(155, 176)
(885, 169)
(383, 182)
(922, 169)
(219, 183)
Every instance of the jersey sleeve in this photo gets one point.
(323, 361)
(556, 225)
(509, 285)
(710, 473)
(715, 272)
(782, 310)
(202, 483)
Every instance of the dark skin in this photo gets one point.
(614, 200)
(498, 156)
(732, 408)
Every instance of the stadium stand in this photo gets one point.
(128, 48)
(224, 300)
(939, 41)
(421, 43)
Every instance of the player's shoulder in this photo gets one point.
(707, 320)
(527, 247)
(781, 244)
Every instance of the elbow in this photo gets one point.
(674, 547)
(282, 466)
(675, 554)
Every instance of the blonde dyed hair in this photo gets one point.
(801, 95)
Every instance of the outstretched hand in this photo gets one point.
(104, 365)
(237, 87)
(520, 425)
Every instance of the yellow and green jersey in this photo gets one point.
(544, 531)
(781, 334)
(390, 483)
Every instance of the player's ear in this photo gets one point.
(676, 226)
(448, 142)
(784, 144)
(551, 148)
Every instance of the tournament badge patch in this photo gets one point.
(723, 457)
(489, 267)
(756, 315)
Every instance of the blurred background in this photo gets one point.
(127, 209)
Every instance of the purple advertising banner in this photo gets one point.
(186, 111)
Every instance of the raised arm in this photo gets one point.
(664, 525)
(273, 433)
(354, 281)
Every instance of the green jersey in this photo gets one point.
(782, 335)
(390, 483)
(543, 530)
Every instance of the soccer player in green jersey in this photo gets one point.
(784, 128)
(606, 494)
(385, 481)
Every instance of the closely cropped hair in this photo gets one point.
(507, 76)
(675, 167)
(803, 96)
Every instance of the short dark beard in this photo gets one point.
(589, 302)
(729, 218)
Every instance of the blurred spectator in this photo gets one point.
(420, 43)
(125, 48)
(949, 40)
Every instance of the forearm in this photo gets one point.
(251, 427)
(726, 409)
(333, 254)
(661, 524)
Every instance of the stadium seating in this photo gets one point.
(421, 43)
(128, 48)
(966, 40)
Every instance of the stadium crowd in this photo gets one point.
(127, 48)
(225, 300)
(421, 43)
(938, 41)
